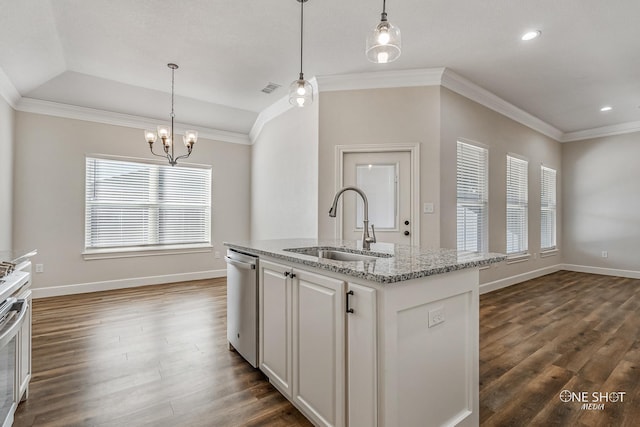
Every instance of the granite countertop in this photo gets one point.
(16, 256)
(397, 263)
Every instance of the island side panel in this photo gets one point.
(428, 376)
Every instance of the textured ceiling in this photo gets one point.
(112, 54)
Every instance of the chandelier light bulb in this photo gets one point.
(150, 136)
(301, 91)
(383, 57)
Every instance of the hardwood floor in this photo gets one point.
(157, 356)
(564, 331)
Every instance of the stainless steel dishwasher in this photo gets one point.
(242, 304)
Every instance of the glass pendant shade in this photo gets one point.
(300, 92)
(384, 43)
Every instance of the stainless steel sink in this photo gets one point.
(338, 254)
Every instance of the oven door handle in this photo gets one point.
(11, 331)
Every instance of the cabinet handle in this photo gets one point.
(349, 310)
(292, 275)
(287, 273)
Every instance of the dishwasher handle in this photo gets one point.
(21, 306)
(240, 264)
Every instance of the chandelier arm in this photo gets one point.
(166, 156)
(184, 156)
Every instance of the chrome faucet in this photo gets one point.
(366, 238)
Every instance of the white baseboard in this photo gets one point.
(632, 274)
(514, 280)
(108, 285)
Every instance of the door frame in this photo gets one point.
(414, 153)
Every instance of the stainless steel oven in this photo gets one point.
(12, 316)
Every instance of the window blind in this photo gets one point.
(472, 197)
(134, 204)
(547, 208)
(517, 205)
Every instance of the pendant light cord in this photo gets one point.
(384, 6)
(301, 33)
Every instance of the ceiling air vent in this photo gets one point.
(270, 87)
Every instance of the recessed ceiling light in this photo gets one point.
(606, 108)
(530, 35)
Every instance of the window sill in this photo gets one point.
(516, 258)
(549, 252)
(141, 251)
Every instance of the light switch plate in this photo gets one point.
(428, 208)
(436, 316)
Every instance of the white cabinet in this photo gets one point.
(302, 340)
(274, 311)
(318, 347)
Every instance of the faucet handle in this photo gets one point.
(373, 234)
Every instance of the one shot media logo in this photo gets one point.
(592, 401)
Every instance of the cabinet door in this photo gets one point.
(318, 347)
(275, 324)
(361, 357)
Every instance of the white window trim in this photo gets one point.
(151, 250)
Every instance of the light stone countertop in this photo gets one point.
(401, 262)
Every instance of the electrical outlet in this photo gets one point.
(39, 268)
(605, 254)
(436, 316)
(217, 255)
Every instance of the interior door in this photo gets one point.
(385, 177)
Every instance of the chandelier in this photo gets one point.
(166, 134)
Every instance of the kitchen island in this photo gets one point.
(386, 337)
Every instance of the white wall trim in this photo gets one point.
(381, 79)
(618, 129)
(472, 91)
(518, 278)
(632, 274)
(8, 91)
(108, 285)
(57, 109)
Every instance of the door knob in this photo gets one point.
(406, 233)
(406, 222)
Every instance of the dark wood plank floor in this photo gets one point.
(157, 356)
(565, 331)
(154, 356)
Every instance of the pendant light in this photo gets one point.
(383, 42)
(300, 91)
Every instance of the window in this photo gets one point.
(133, 205)
(517, 206)
(472, 206)
(547, 208)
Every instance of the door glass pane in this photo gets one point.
(379, 184)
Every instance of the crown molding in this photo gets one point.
(472, 91)
(8, 91)
(619, 129)
(279, 107)
(381, 79)
(38, 106)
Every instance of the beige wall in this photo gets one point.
(49, 199)
(463, 118)
(284, 176)
(601, 190)
(381, 116)
(6, 173)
